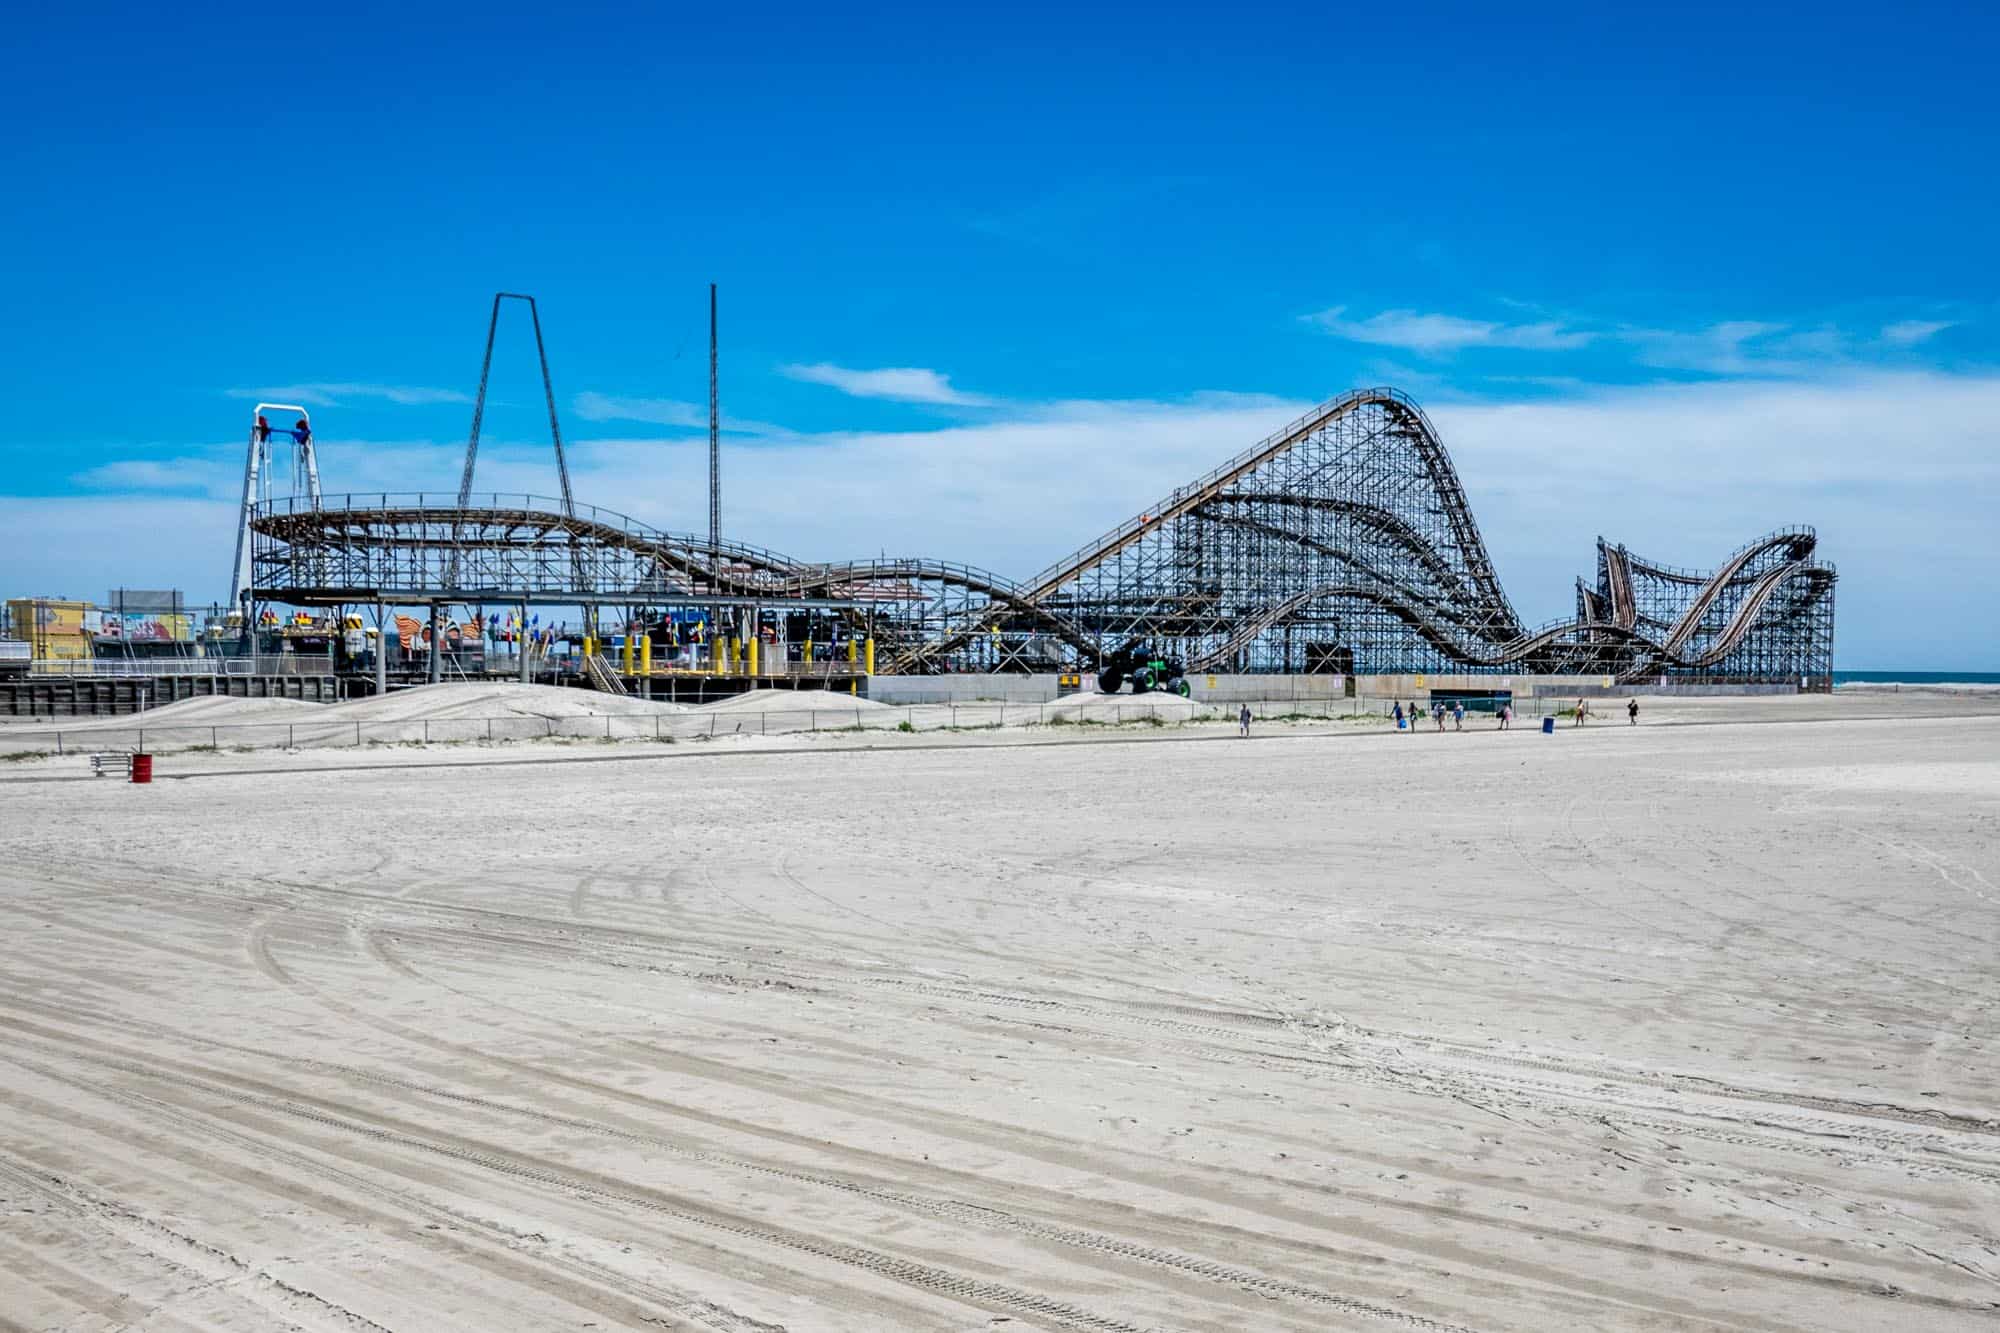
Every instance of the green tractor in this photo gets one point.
(1148, 671)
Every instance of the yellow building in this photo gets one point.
(58, 631)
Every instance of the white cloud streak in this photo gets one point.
(149, 474)
(333, 394)
(1433, 334)
(1739, 347)
(1910, 332)
(900, 384)
(593, 406)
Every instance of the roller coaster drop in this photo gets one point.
(1343, 543)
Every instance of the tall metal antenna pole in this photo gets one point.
(714, 446)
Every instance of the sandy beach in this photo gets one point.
(1679, 1026)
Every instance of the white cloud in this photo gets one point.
(1732, 347)
(1681, 473)
(1910, 332)
(905, 384)
(1738, 347)
(1431, 334)
(332, 395)
(593, 406)
(148, 474)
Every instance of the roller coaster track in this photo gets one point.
(1618, 579)
(998, 591)
(1372, 516)
(1416, 615)
(1523, 646)
(1416, 428)
(418, 522)
(382, 523)
(1409, 422)
(1799, 541)
(1732, 633)
(1361, 480)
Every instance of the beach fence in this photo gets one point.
(694, 724)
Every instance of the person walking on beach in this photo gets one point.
(1458, 715)
(1506, 715)
(1582, 712)
(1243, 721)
(1632, 710)
(1437, 713)
(1399, 714)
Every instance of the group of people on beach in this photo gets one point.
(1440, 710)
(1504, 714)
(1455, 710)
(1583, 713)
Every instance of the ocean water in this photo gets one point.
(1916, 678)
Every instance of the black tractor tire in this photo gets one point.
(1142, 680)
(1178, 685)
(1110, 682)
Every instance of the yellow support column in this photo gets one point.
(807, 657)
(645, 654)
(718, 655)
(853, 659)
(868, 654)
(626, 654)
(753, 655)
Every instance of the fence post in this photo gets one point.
(357, 735)
(427, 731)
(142, 740)
(291, 741)
(213, 743)
(489, 731)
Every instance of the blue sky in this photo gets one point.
(992, 281)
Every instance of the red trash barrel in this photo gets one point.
(142, 768)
